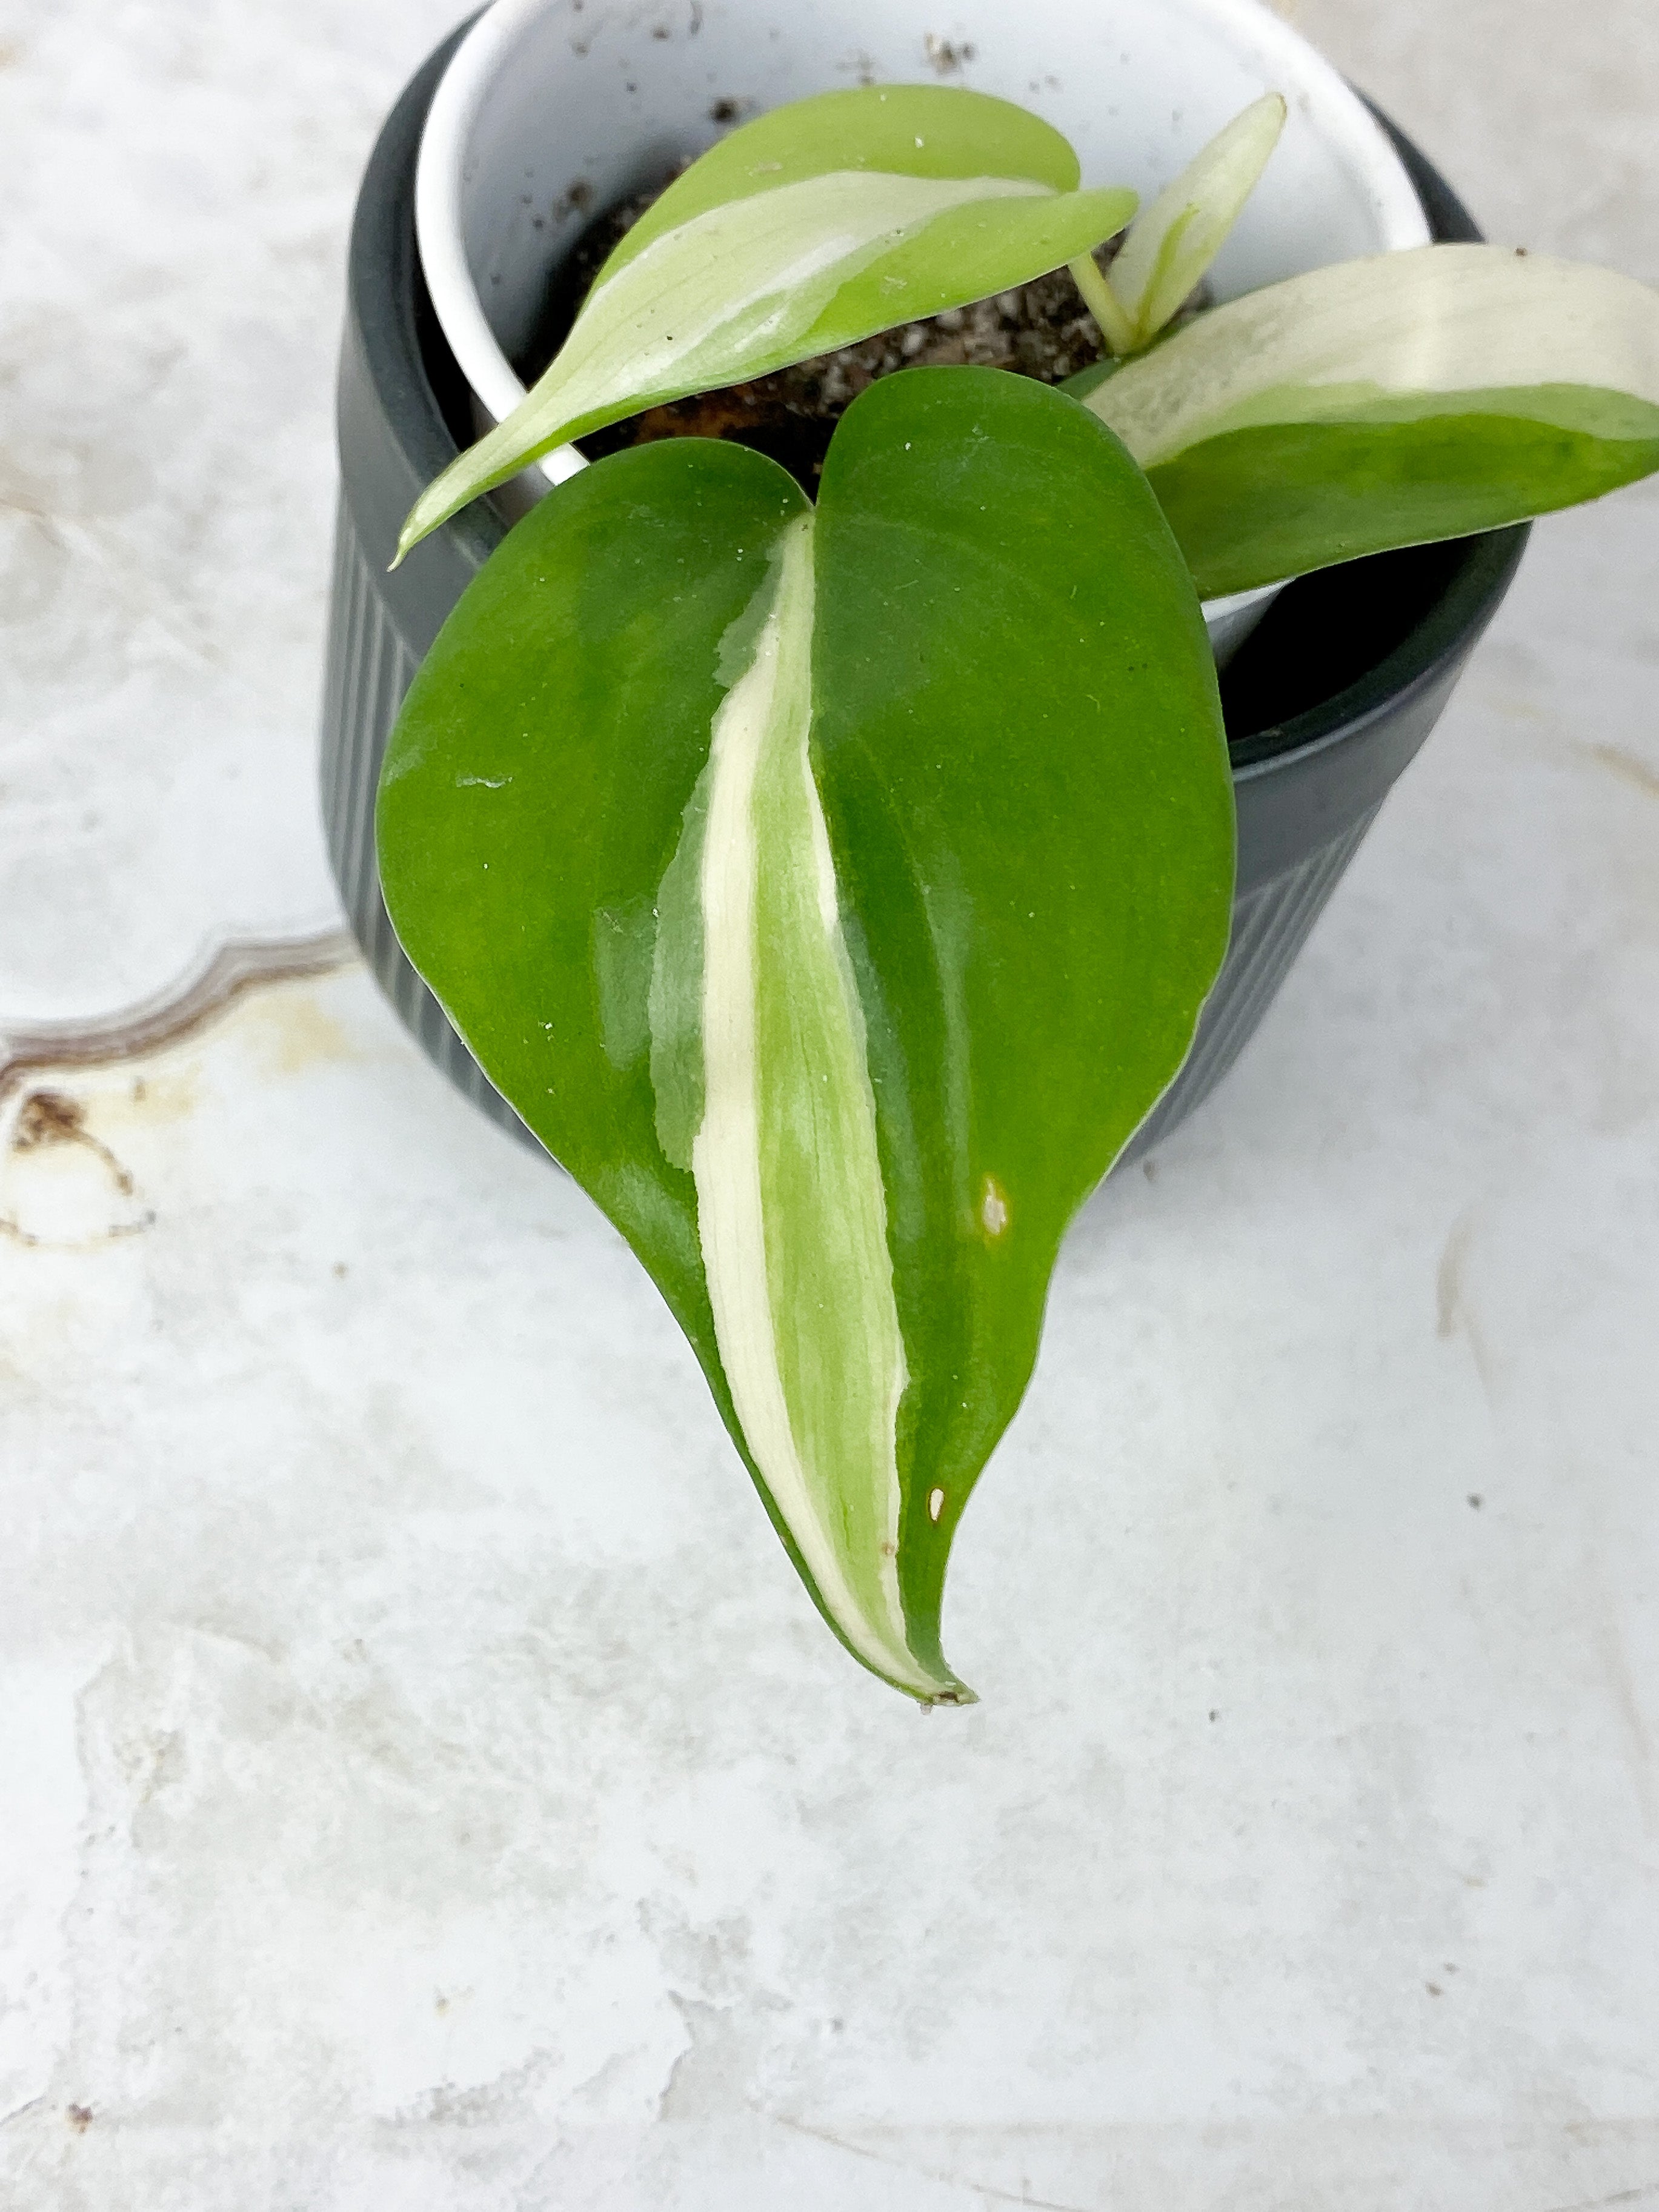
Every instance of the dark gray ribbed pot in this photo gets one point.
(1326, 702)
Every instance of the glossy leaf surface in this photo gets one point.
(834, 891)
(811, 227)
(1387, 402)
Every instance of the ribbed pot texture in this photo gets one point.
(1326, 703)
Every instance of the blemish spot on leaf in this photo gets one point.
(993, 1207)
(935, 1504)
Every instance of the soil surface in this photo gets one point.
(1041, 330)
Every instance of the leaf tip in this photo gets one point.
(958, 1695)
(415, 528)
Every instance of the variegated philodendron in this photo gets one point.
(834, 888)
(711, 819)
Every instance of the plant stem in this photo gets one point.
(1103, 304)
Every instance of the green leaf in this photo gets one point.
(834, 891)
(1387, 402)
(810, 228)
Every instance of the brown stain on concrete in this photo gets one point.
(289, 1031)
(1626, 766)
(293, 1032)
(153, 1098)
(1454, 1314)
(47, 1120)
(1449, 1277)
(50, 1117)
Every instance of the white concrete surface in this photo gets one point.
(423, 1787)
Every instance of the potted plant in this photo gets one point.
(835, 884)
(517, 129)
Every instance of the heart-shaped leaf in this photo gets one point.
(811, 227)
(1390, 401)
(834, 891)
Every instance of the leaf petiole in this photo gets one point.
(1103, 304)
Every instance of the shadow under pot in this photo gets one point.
(1325, 701)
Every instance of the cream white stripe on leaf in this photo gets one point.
(723, 296)
(791, 1209)
(739, 280)
(1389, 330)
(763, 278)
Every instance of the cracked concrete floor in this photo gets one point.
(424, 1785)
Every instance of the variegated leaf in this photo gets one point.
(834, 891)
(1171, 243)
(811, 228)
(1387, 402)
